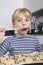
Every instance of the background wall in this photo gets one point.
(33, 5)
(6, 9)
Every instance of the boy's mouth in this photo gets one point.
(24, 29)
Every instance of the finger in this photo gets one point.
(2, 29)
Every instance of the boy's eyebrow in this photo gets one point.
(25, 18)
(19, 19)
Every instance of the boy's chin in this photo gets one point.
(24, 32)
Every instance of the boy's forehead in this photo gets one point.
(23, 16)
(24, 13)
(27, 15)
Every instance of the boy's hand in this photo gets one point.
(2, 33)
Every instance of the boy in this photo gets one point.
(21, 43)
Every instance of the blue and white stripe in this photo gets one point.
(20, 45)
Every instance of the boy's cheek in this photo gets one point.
(29, 24)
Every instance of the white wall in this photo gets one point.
(40, 38)
(6, 9)
(33, 5)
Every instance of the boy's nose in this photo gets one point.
(23, 22)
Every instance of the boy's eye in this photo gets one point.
(19, 20)
(26, 19)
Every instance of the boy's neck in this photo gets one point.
(19, 34)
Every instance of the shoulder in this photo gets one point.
(9, 38)
(33, 37)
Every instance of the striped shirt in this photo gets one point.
(20, 45)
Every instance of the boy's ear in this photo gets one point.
(13, 25)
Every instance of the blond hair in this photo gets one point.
(17, 13)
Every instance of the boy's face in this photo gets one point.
(22, 24)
